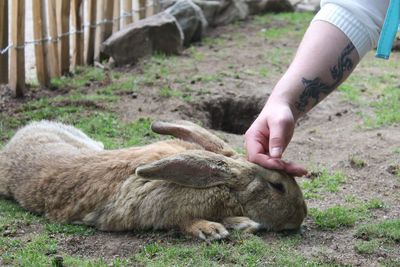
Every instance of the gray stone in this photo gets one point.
(306, 5)
(307, 8)
(231, 10)
(277, 6)
(190, 18)
(210, 9)
(263, 6)
(158, 33)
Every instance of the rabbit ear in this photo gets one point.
(197, 168)
(191, 132)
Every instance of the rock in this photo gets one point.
(277, 6)
(307, 8)
(210, 9)
(263, 6)
(306, 5)
(166, 4)
(396, 44)
(231, 10)
(190, 18)
(157, 33)
(256, 6)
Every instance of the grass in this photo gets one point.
(350, 93)
(324, 182)
(357, 162)
(388, 230)
(339, 216)
(95, 86)
(334, 217)
(283, 24)
(382, 236)
(366, 247)
(386, 109)
(83, 76)
(248, 251)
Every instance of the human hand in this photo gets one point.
(268, 137)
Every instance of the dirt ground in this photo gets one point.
(330, 135)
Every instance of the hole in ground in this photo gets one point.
(232, 114)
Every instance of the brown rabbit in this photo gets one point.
(197, 184)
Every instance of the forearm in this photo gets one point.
(325, 58)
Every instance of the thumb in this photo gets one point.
(278, 139)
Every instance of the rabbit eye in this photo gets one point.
(278, 187)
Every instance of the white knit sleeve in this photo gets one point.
(360, 20)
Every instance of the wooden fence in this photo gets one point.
(66, 34)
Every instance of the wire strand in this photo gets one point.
(74, 31)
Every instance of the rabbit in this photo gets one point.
(197, 184)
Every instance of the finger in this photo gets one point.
(279, 137)
(255, 144)
(278, 164)
(295, 169)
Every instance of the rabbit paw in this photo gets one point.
(207, 230)
(244, 224)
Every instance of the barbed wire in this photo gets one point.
(73, 31)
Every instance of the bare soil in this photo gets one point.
(330, 135)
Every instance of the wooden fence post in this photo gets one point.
(63, 8)
(142, 9)
(116, 16)
(126, 13)
(104, 25)
(90, 31)
(3, 41)
(17, 58)
(39, 33)
(77, 38)
(52, 57)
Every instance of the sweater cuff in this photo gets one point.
(348, 24)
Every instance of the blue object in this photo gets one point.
(389, 30)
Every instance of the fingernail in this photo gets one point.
(276, 152)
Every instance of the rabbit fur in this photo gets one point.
(196, 183)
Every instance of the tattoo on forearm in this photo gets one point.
(315, 87)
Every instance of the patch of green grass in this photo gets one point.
(82, 262)
(106, 127)
(207, 78)
(366, 247)
(350, 93)
(334, 217)
(12, 217)
(45, 109)
(35, 252)
(249, 251)
(196, 53)
(81, 77)
(70, 229)
(167, 91)
(390, 262)
(386, 109)
(388, 230)
(129, 84)
(357, 162)
(396, 150)
(282, 24)
(293, 18)
(375, 203)
(263, 72)
(339, 216)
(279, 57)
(214, 41)
(324, 182)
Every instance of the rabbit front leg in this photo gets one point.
(244, 224)
(205, 230)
